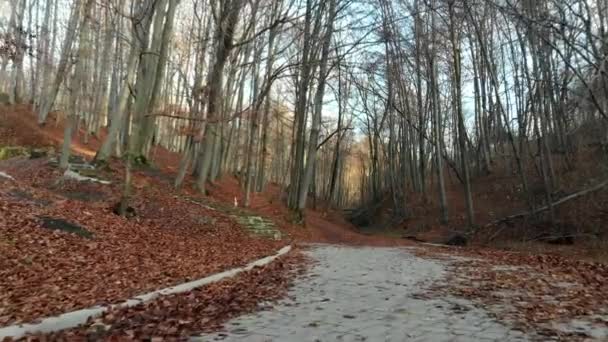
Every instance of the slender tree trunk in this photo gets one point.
(461, 127)
(19, 32)
(436, 108)
(228, 18)
(318, 106)
(253, 132)
(265, 119)
(301, 106)
(421, 116)
(63, 67)
(100, 106)
(116, 124)
(77, 84)
(335, 165)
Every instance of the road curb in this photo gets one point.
(78, 317)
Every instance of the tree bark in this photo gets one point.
(77, 83)
(318, 106)
(63, 67)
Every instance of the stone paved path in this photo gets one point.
(367, 294)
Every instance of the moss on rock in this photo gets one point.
(8, 152)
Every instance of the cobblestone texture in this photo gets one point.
(367, 294)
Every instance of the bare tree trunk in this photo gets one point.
(421, 116)
(63, 67)
(116, 124)
(19, 33)
(149, 122)
(335, 165)
(269, 68)
(142, 20)
(436, 108)
(150, 41)
(77, 84)
(45, 61)
(318, 106)
(458, 104)
(100, 109)
(33, 32)
(229, 15)
(301, 104)
(253, 132)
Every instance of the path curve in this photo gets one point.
(367, 294)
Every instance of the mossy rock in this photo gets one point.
(104, 164)
(8, 152)
(93, 173)
(141, 161)
(256, 225)
(76, 163)
(41, 152)
(36, 153)
(5, 99)
(259, 226)
(76, 159)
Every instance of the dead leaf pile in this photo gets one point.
(171, 240)
(177, 317)
(532, 291)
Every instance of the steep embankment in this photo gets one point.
(62, 248)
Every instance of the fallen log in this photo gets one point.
(554, 204)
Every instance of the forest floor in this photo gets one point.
(62, 248)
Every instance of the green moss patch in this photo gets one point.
(256, 225)
(8, 152)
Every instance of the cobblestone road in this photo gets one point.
(367, 294)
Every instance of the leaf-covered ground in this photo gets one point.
(170, 241)
(539, 293)
(177, 317)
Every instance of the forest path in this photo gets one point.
(367, 294)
